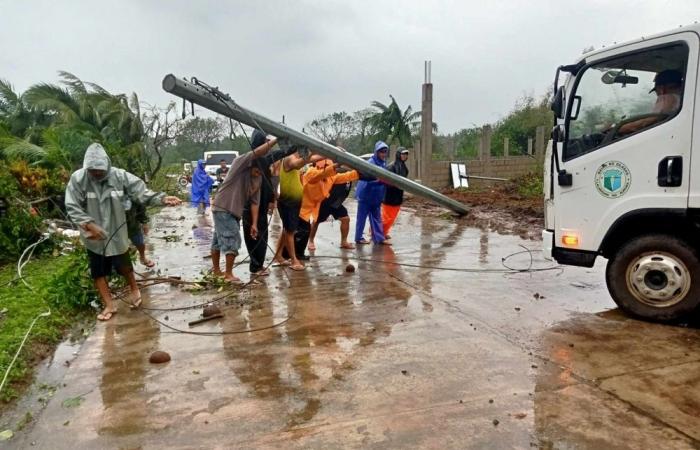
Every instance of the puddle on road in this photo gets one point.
(47, 382)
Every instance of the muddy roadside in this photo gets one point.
(513, 207)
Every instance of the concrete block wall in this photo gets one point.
(485, 165)
(511, 167)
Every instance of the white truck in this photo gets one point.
(621, 177)
(213, 160)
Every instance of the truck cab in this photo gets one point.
(215, 159)
(620, 178)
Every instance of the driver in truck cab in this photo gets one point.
(221, 171)
(668, 86)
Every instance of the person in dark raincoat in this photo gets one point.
(393, 198)
(257, 246)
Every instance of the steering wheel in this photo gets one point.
(612, 133)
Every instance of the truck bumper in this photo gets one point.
(547, 244)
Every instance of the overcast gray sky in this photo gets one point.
(305, 58)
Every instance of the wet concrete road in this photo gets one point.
(392, 356)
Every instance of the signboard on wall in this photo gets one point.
(459, 175)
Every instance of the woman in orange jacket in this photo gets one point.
(318, 182)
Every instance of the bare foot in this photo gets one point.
(297, 267)
(217, 273)
(347, 245)
(312, 246)
(233, 279)
(147, 262)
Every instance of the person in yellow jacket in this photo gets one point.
(318, 182)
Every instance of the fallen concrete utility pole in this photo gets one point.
(213, 99)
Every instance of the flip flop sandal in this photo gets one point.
(105, 316)
(254, 282)
(282, 264)
(299, 268)
(347, 246)
(148, 263)
(362, 242)
(135, 302)
(236, 282)
(261, 273)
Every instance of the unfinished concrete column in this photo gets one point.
(426, 127)
(506, 143)
(416, 160)
(450, 148)
(485, 148)
(529, 146)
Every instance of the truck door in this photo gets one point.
(628, 137)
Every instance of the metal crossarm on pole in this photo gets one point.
(215, 100)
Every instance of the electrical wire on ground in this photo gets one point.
(507, 269)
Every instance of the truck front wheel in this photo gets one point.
(655, 277)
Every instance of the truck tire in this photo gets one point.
(655, 277)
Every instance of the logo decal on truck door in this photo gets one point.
(612, 179)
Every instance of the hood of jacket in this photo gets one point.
(257, 139)
(399, 166)
(96, 158)
(375, 159)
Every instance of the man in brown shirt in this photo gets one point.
(240, 187)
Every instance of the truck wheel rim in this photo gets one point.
(658, 279)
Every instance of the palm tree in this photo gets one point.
(390, 124)
(18, 116)
(53, 123)
(89, 107)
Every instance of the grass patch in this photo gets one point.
(60, 284)
(530, 185)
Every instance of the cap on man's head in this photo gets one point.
(257, 139)
(666, 77)
(402, 151)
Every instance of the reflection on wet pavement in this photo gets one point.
(395, 355)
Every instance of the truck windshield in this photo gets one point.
(625, 95)
(216, 158)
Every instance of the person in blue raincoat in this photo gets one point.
(369, 195)
(201, 185)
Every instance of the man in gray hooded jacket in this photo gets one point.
(95, 200)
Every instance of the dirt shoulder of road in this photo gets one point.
(506, 208)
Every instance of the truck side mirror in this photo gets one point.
(557, 105)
